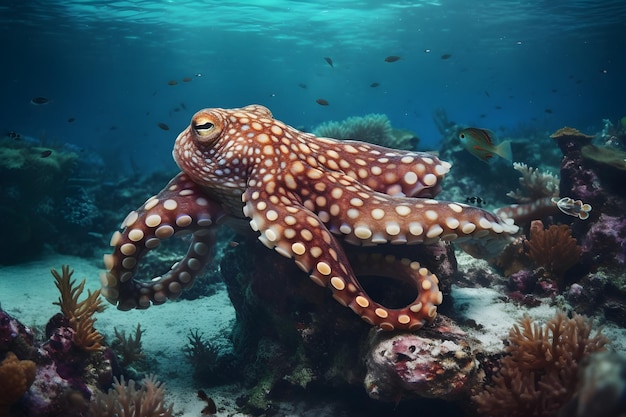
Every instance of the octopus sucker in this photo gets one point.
(305, 197)
(128, 249)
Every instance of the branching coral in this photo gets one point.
(127, 400)
(540, 372)
(534, 184)
(553, 249)
(16, 377)
(79, 313)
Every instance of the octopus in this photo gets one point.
(305, 197)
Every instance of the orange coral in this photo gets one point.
(540, 373)
(79, 313)
(16, 377)
(553, 249)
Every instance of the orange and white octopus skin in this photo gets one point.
(305, 196)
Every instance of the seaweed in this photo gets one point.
(129, 348)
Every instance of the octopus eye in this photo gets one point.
(203, 129)
(206, 128)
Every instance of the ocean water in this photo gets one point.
(106, 66)
(116, 81)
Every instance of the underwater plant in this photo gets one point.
(539, 374)
(129, 348)
(79, 313)
(201, 354)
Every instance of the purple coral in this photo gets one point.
(606, 239)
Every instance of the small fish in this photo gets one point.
(172, 82)
(554, 90)
(573, 207)
(71, 120)
(392, 58)
(163, 126)
(498, 107)
(374, 85)
(549, 111)
(183, 105)
(330, 61)
(322, 102)
(46, 153)
(187, 79)
(482, 144)
(198, 74)
(487, 93)
(446, 56)
(478, 201)
(39, 101)
(303, 86)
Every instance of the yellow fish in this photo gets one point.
(482, 144)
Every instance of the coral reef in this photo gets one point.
(79, 313)
(553, 249)
(534, 184)
(603, 236)
(16, 376)
(540, 371)
(67, 369)
(125, 399)
(65, 376)
(372, 128)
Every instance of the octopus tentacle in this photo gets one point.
(296, 232)
(421, 310)
(180, 208)
(362, 216)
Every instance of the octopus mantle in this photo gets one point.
(305, 196)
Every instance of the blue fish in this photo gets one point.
(482, 144)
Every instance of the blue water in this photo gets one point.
(107, 64)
